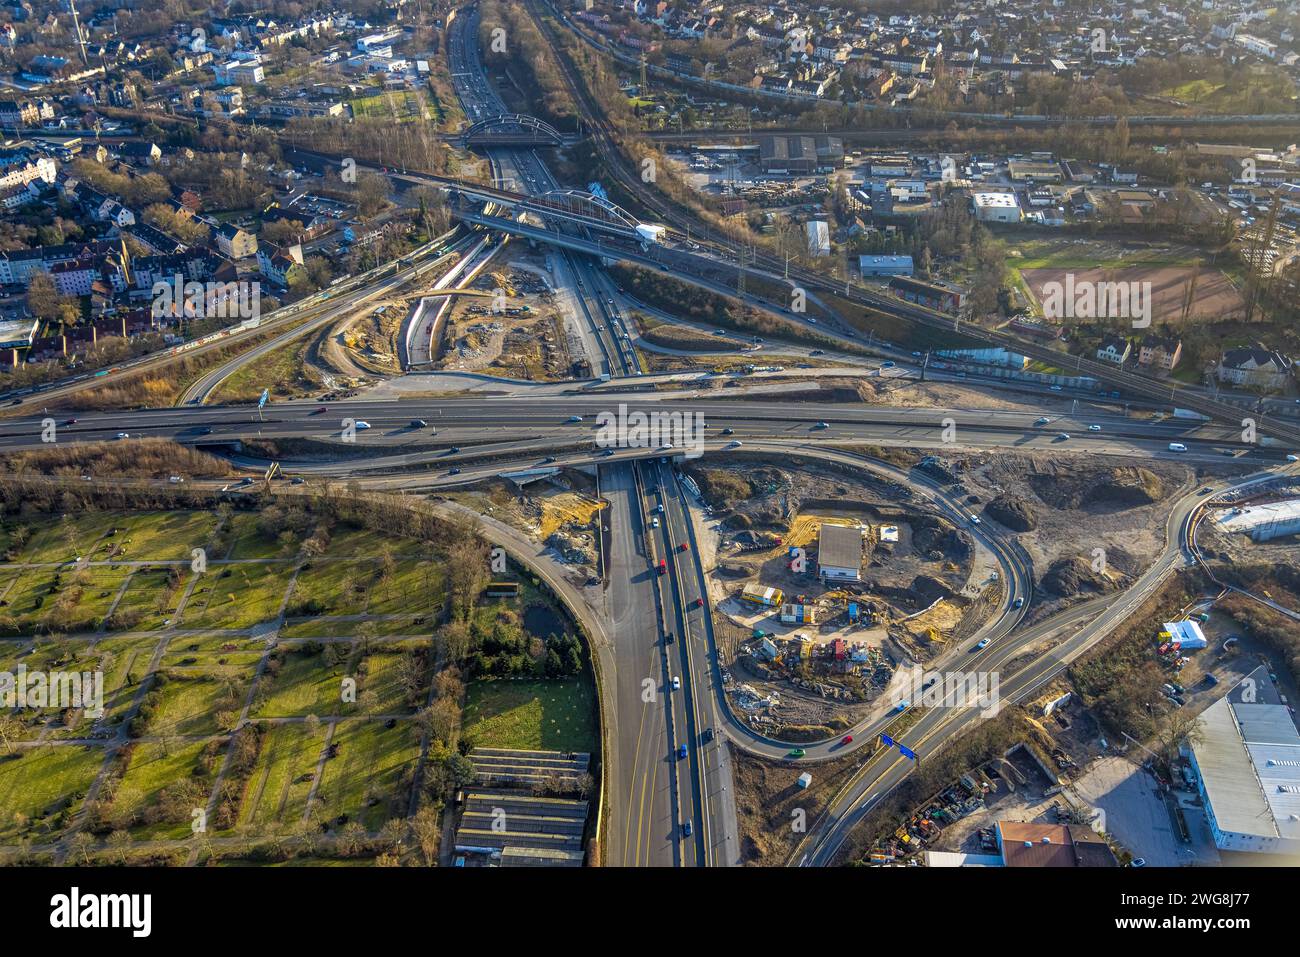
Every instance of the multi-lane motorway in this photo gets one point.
(575, 420)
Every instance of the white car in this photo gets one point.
(1094, 428)
(654, 523)
(362, 425)
(666, 447)
(1293, 458)
(677, 683)
(1177, 447)
(124, 435)
(735, 444)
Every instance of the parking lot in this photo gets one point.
(1136, 815)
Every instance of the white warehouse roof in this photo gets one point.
(1248, 518)
(1249, 760)
(991, 200)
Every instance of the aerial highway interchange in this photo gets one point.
(669, 732)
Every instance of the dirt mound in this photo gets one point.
(722, 488)
(937, 540)
(1070, 576)
(1116, 487)
(733, 570)
(1012, 512)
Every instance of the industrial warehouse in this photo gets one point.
(1247, 766)
(1263, 522)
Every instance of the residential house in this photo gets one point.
(1255, 368)
(1160, 352)
(1115, 350)
(235, 243)
(281, 264)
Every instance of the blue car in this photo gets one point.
(681, 751)
(687, 829)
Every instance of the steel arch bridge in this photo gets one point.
(576, 203)
(512, 128)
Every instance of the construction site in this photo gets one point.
(507, 323)
(827, 586)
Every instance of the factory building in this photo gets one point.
(839, 553)
(996, 207)
(1263, 522)
(1246, 761)
(819, 238)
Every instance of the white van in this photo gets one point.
(1177, 447)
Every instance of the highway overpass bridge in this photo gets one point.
(604, 219)
(512, 129)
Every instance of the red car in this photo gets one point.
(320, 409)
(698, 603)
(663, 567)
(847, 739)
(69, 421)
(683, 547)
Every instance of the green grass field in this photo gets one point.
(151, 768)
(192, 698)
(41, 786)
(277, 791)
(362, 780)
(401, 106)
(238, 596)
(305, 684)
(369, 608)
(538, 715)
